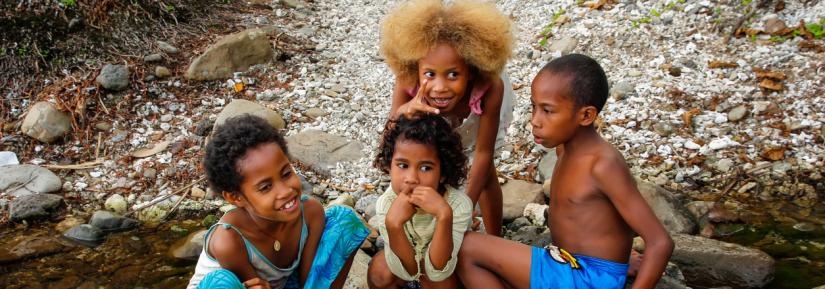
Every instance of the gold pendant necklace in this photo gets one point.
(276, 246)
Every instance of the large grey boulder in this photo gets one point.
(33, 206)
(240, 106)
(44, 122)
(235, 52)
(517, 194)
(668, 208)
(113, 77)
(21, 180)
(321, 151)
(109, 222)
(708, 263)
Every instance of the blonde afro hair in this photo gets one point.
(478, 31)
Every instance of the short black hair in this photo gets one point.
(229, 143)
(426, 129)
(588, 82)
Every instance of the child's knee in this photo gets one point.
(379, 274)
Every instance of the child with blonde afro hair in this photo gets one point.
(448, 59)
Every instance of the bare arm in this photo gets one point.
(485, 141)
(228, 248)
(400, 211)
(615, 181)
(441, 246)
(314, 214)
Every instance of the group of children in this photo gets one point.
(451, 105)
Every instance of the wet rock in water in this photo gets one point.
(44, 122)
(236, 52)
(240, 106)
(622, 90)
(668, 208)
(344, 200)
(153, 57)
(315, 112)
(113, 77)
(706, 262)
(29, 247)
(518, 223)
(188, 248)
(116, 203)
(366, 205)
(565, 45)
(357, 278)
(85, 234)
(21, 180)
(168, 48)
(517, 194)
(738, 113)
(68, 223)
(33, 206)
(162, 72)
(546, 165)
(109, 222)
(322, 151)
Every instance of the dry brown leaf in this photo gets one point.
(804, 31)
(780, 5)
(598, 5)
(697, 160)
(722, 64)
(764, 73)
(774, 154)
(742, 32)
(146, 152)
(687, 117)
(807, 44)
(770, 84)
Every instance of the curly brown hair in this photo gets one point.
(478, 31)
(431, 130)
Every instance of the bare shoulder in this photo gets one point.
(611, 172)
(313, 211)
(608, 160)
(226, 245)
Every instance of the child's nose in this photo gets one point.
(534, 120)
(411, 178)
(438, 85)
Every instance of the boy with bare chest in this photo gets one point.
(594, 203)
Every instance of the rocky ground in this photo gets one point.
(720, 116)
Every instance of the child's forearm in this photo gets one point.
(402, 247)
(656, 255)
(479, 171)
(441, 247)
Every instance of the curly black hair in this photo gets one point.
(588, 84)
(428, 130)
(229, 143)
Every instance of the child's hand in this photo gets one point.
(417, 104)
(431, 202)
(401, 209)
(256, 283)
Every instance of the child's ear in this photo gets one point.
(234, 198)
(587, 115)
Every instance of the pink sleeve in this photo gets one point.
(475, 98)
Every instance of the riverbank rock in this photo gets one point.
(357, 278)
(116, 203)
(235, 52)
(109, 222)
(546, 165)
(668, 208)
(85, 234)
(33, 206)
(29, 247)
(113, 77)
(188, 248)
(240, 106)
(517, 194)
(322, 151)
(565, 45)
(21, 180)
(707, 262)
(46, 123)
(366, 205)
(671, 279)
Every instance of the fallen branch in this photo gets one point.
(175, 207)
(161, 199)
(80, 166)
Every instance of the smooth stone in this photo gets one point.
(113, 77)
(33, 206)
(738, 113)
(28, 247)
(188, 248)
(21, 180)
(168, 48)
(162, 72)
(366, 205)
(343, 200)
(155, 57)
(663, 129)
(517, 194)
(322, 151)
(232, 53)
(240, 106)
(622, 89)
(708, 263)
(85, 234)
(518, 223)
(547, 164)
(109, 222)
(44, 122)
(315, 112)
(668, 208)
(565, 45)
(116, 203)
(527, 234)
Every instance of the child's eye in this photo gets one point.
(429, 74)
(264, 188)
(286, 174)
(426, 168)
(452, 75)
(402, 165)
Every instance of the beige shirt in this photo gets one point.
(420, 229)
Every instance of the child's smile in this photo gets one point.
(447, 76)
(414, 164)
(270, 187)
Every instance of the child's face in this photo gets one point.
(414, 164)
(270, 188)
(447, 75)
(554, 117)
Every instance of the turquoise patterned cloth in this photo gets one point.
(343, 234)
